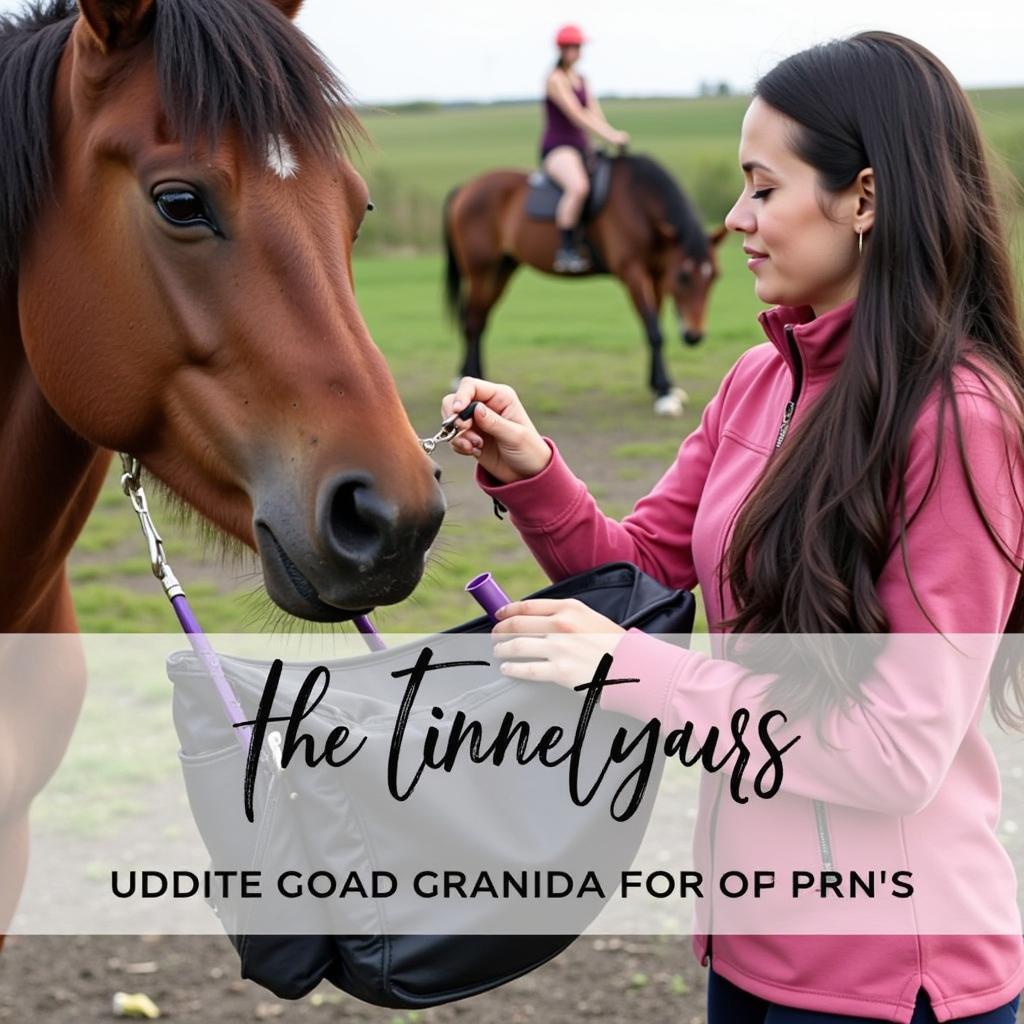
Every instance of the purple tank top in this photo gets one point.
(558, 129)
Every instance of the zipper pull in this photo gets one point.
(276, 745)
(784, 425)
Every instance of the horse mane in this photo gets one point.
(31, 43)
(218, 63)
(649, 178)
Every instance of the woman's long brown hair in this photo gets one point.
(812, 540)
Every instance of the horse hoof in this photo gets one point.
(668, 405)
(680, 394)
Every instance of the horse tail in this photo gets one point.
(453, 275)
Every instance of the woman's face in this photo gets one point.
(802, 242)
(570, 54)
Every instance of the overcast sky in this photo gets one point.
(488, 49)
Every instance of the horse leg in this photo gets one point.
(668, 401)
(13, 866)
(486, 286)
(474, 319)
(42, 685)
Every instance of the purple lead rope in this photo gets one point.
(132, 487)
(370, 634)
(208, 656)
(483, 588)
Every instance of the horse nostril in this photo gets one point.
(437, 473)
(358, 522)
(347, 509)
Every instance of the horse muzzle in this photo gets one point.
(366, 550)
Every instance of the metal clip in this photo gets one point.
(446, 433)
(132, 486)
(449, 428)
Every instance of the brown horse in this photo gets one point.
(647, 234)
(176, 229)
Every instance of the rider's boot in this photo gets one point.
(570, 259)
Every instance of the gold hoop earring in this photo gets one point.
(860, 243)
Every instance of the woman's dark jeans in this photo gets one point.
(728, 1004)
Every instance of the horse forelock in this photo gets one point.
(651, 179)
(218, 63)
(243, 63)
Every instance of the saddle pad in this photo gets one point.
(543, 195)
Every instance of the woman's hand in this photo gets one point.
(576, 637)
(617, 138)
(501, 438)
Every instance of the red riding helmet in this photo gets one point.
(569, 35)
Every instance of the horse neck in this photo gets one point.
(50, 478)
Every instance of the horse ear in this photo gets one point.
(117, 24)
(718, 234)
(289, 8)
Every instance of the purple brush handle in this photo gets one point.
(488, 594)
(202, 648)
(370, 634)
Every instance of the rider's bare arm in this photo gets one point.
(622, 138)
(561, 93)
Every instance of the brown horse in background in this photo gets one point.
(176, 228)
(647, 234)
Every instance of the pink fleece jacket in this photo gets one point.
(911, 764)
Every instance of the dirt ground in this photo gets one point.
(57, 980)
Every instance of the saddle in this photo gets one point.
(544, 194)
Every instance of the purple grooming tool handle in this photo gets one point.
(488, 594)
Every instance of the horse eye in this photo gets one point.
(182, 208)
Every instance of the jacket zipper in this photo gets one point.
(824, 840)
(711, 912)
(798, 383)
(820, 816)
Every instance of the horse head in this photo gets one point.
(689, 273)
(187, 295)
(687, 263)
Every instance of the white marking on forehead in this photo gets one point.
(281, 158)
(705, 269)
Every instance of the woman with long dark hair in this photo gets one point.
(571, 110)
(861, 473)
